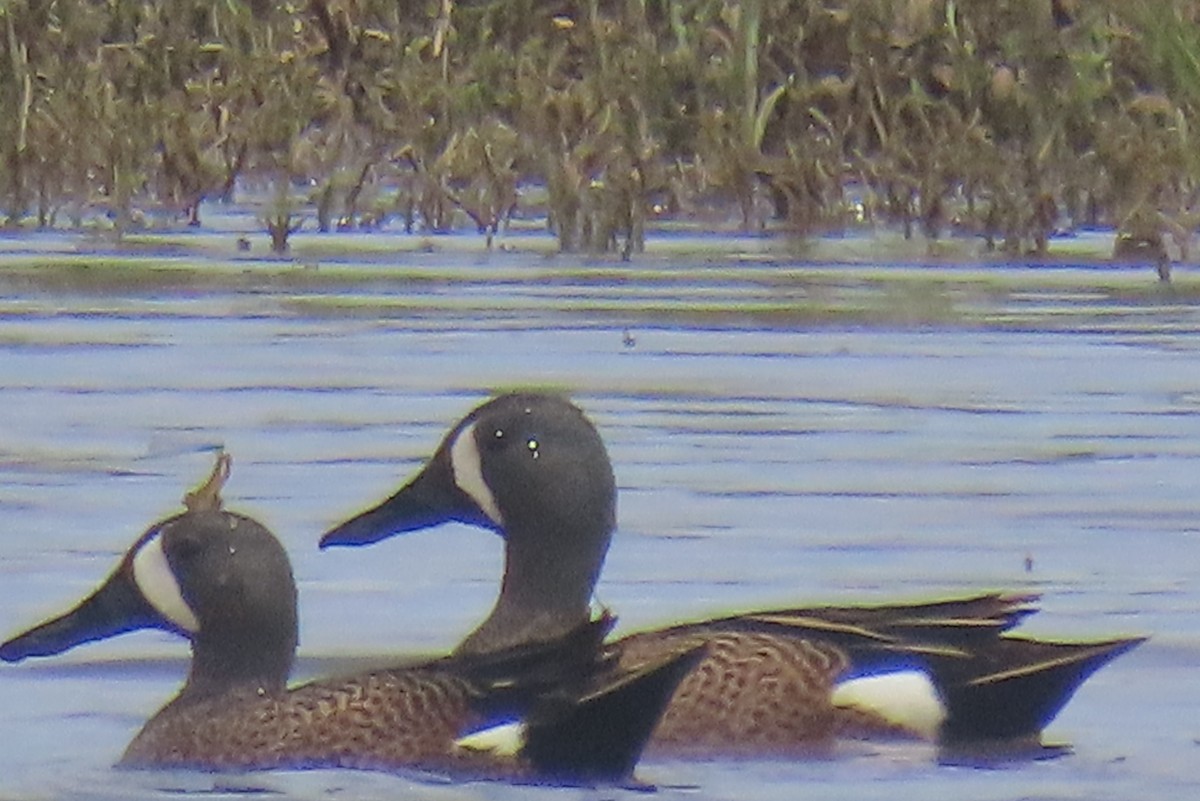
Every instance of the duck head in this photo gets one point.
(219, 579)
(532, 468)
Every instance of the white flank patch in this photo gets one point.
(468, 474)
(505, 740)
(153, 576)
(906, 698)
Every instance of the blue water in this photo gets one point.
(923, 448)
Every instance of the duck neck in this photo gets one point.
(546, 591)
(221, 664)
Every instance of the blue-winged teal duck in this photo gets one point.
(224, 582)
(532, 468)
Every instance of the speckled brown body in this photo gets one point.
(753, 694)
(383, 720)
(767, 684)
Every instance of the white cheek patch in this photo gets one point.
(468, 474)
(154, 578)
(905, 698)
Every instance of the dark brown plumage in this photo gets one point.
(384, 720)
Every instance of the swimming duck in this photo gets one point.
(532, 468)
(224, 582)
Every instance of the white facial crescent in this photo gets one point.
(468, 473)
(154, 577)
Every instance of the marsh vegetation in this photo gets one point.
(1005, 120)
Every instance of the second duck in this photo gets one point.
(532, 467)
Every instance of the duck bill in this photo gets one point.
(115, 608)
(429, 499)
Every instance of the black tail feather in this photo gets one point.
(600, 737)
(1015, 688)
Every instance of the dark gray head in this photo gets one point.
(531, 467)
(219, 579)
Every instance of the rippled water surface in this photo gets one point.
(782, 432)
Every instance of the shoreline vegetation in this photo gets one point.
(928, 129)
